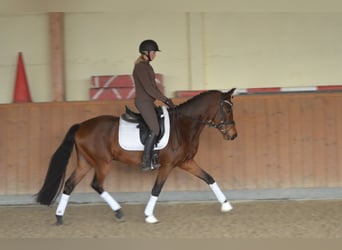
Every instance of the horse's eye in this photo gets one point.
(227, 108)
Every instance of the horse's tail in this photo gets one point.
(54, 179)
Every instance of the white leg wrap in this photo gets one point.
(62, 204)
(110, 200)
(150, 205)
(217, 191)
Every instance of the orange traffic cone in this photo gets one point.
(21, 89)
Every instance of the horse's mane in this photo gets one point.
(196, 98)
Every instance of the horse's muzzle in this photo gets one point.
(230, 137)
(229, 133)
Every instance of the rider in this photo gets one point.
(146, 93)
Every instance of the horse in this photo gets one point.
(96, 144)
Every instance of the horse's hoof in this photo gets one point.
(226, 207)
(59, 220)
(151, 219)
(119, 216)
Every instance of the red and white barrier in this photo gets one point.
(271, 90)
(290, 89)
(116, 87)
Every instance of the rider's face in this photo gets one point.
(152, 55)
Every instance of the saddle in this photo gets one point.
(144, 131)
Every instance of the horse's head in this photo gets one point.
(212, 108)
(223, 119)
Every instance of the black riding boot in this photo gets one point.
(148, 151)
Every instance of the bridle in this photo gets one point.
(223, 122)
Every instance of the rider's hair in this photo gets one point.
(139, 59)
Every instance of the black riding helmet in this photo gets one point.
(148, 45)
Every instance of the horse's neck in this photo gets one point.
(192, 119)
(196, 112)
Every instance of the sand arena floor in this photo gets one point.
(320, 219)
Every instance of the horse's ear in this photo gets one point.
(230, 92)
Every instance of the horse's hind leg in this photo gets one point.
(76, 176)
(97, 185)
(193, 168)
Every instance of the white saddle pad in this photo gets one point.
(129, 138)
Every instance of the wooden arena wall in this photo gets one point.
(284, 141)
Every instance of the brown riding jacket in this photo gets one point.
(145, 84)
(147, 92)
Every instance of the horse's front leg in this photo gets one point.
(193, 168)
(163, 173)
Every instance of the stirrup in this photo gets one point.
(145, 167)
(155, 166)
(155, 161)
(150, 167)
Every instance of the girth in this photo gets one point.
(144, 131)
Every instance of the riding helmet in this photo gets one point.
(148, 45)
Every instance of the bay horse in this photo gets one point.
(97, 146)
